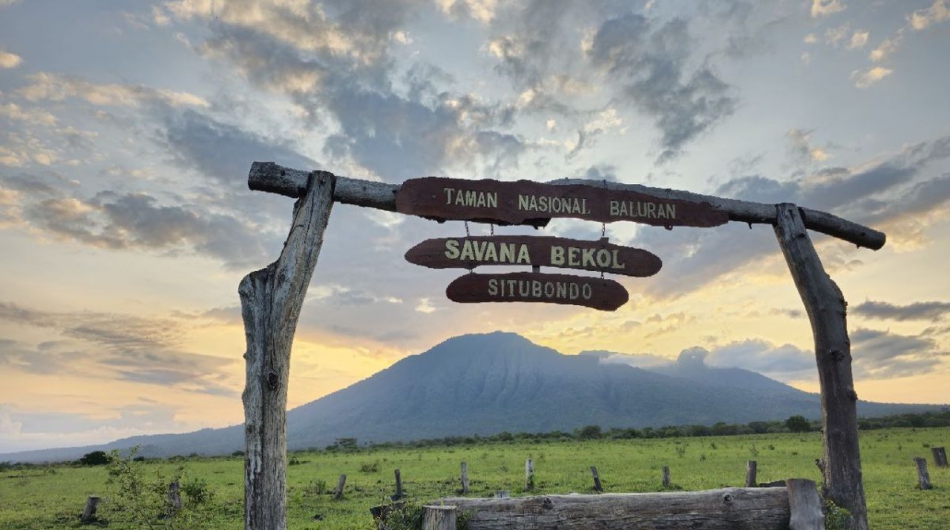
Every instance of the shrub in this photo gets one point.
(95, 458)
(798, 424)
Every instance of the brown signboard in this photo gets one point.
(527, 202)
(587, 291)
(470, 252)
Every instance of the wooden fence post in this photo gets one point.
(923, 477)
(271, 299)
(398, 494)
(826, 308)
(89, 512)
(597, 486)
(439, 518)
(805, 505)
(174, 498)
(940, 456)
(464, 478)
(338, 494)
(666, 476)
(751, 467)
(528, 475)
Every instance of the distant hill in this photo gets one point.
(485, 384)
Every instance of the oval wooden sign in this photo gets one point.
(527, 202)
(587, 291)
(470, 252)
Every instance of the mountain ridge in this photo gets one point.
(483, 384)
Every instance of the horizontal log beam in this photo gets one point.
(722, 509)
(273, 178)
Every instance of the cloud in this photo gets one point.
(887, 47)
(866, 78)
(9, 60)
(858, 39)
(882, 354)
(882, 195)
(800, 146)
(651, 61)
(124, 347)
(480, 10)
(823, 8)
(782, 362)
(637, 360)
(58, 87)
(933, 311)
(923, 18)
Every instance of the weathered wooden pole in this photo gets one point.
(666, 476)
(528, 475)
(751, 468)
(338, 494)
(598, 487)
(439, 517)
(923, 477)
(825, 306)
(464, 478)
(174, 498)
(89, 512)
(940, 456)
(270, 304)
(398, 494)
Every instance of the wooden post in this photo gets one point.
(750, 472)
(338, 494)
(270, 305)
(174, 498)
(89, 512)
(940, 456)
(439, 518)
(502, 494)
(528, 475)
(666, 476)
(805, 505)
(923, 477)
(464, 478)
(825, 306)
(398, 494)
(597, 486)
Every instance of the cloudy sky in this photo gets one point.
(127, 128)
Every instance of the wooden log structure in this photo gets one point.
(439, 517)
(270, 177)
(271, 299)
(722, 509)
(826, 308)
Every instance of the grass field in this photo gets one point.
(47, 497)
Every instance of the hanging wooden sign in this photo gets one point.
(470, 252)
(527, 202)
(587, 291)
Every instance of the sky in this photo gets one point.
(127, 129)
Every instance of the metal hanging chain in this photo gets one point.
(492, 229)
(603, 232)
(466, 229)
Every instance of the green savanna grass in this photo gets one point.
(45, 497)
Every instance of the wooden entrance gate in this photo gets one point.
(271, 300)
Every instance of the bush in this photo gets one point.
(798, 424)
(95, 458)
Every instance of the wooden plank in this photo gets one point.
(805, 505)
(586, 291)
(523, 201)
(723, 509)
(274, 178)
(473, 251)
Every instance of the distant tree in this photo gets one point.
(798, 424)
(95, 458)
(589, 432)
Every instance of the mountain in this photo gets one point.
(485, 384)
